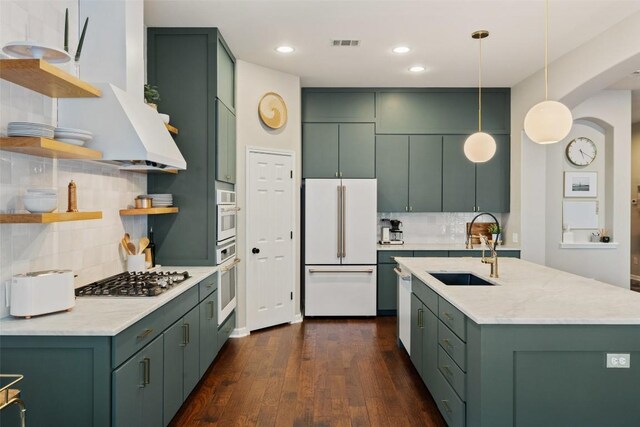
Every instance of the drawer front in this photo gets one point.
(509, 254)
(386, 257)
(433, 254)
(132, 339)
(452, 408)
(427, 295)
(453, 318)
(452, 372)
(465, 253)
(208, 285)
(225, 330)
(452, 345)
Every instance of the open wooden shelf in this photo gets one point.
(45, 147)
(46, 218)
(171, 129)
(42, 77)
(148, 211)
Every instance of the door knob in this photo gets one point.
(255, 251)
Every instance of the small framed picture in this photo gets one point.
(580, 184)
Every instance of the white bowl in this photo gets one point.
(165, 117)
(40, 204)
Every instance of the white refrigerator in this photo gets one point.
(340, 247)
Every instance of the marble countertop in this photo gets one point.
(99, 316)
(528, 293)
(440, 247)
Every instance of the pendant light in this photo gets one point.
(480, 147)
(548, 121)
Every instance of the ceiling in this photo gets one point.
(438, 31)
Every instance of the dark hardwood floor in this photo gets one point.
(322, 372)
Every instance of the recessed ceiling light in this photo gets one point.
(284, 49)
(401, 49)
(416, 69)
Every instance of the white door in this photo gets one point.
(270, 221)
(321, 198)
(360, 221)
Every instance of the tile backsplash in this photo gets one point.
(433, 227)
(89, 248)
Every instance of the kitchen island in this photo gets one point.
(538, 347)
(116, 361)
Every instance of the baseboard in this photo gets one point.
(297, 318)
(635, 277)
(239, 333)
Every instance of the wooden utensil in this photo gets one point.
(127, 238)
(144, 242)
(132, 248)
(124, 246)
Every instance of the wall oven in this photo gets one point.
(227, 215)
(227, 278)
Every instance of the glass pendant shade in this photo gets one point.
(480, 147)
(548, 122)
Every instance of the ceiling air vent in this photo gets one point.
(345, 43)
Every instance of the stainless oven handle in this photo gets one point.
(230, 266)
(351, 270)
(399, 273)
(233, 209)
(339, 221)
(344, 221)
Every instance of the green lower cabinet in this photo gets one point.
(429, 347)
(138, 388)
(181, 362)
(387, 289)
(208, 331)
(417, 311)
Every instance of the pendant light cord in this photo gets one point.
(480, 87)
(546, 50)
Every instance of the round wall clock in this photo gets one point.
(272, 110)
(581, 151)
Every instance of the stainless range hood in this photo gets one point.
(125, 129)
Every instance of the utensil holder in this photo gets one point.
(136, 263)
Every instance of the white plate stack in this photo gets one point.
(73, 136)
(161, 200)
(30, 129)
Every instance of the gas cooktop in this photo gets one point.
(139, 284)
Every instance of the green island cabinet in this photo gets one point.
(387, 280)
(502, 375)
(139, 377)
(193, 69)
(344, 150)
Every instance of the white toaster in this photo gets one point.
(41, 292)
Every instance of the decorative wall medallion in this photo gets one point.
(272, 110)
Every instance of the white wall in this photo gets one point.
(252, 82)
(89, 248)
(611, 110)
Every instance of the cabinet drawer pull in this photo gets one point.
(447, 343)
(145, 333)
(399, 273)
(146, 371)
(447, 371)
(143, 370)
(448, 316)
(445, 403)
(185, 335)
(211, 310)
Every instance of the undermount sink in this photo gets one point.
(461, 279)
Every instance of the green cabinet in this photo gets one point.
(181, 362)
(387, 291)
(208, 331)
(345, 150)
(470, 187)
(409, 172)
(338, 106)
(417, 312)
(194, 71)
(225, 143)
(138, 388)
(424, 339)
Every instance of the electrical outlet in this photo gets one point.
(618, 360)
(514, 237)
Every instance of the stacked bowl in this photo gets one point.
(73, 136)
(40, 200)
(30, 129)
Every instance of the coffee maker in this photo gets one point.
(391, 233)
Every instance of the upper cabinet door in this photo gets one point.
(320, 150)
(492, 179)
(458, 176)
(226, 76)
(222, 138)
(357, 150)
(392, 158)
(425, 173)
(231, 148)
(337, 106)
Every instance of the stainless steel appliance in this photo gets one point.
(404, 308)
(226, 252)
(227, 282)
(139, 284)
(385, 237)
(340, 247)
(395, 234)
(227, 215)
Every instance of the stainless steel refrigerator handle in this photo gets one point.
(399, 273)
(351, 270)
(344, 221)
(339, 221)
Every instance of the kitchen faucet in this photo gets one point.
(493, 260)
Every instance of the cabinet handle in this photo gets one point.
(184, 335)
(421, 318)
(211, 312)
(143, 369)
(341, 174)
(410, 208)
(336, 174)
(448, 316)
(188, 333)
(447, 343)
(448, 371)
(144, 333)
(227, 176)
(445, 403)
(406, 208)
(146, 378)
